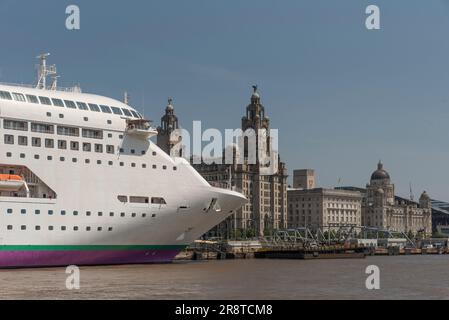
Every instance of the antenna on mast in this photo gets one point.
(412, 196)
(43, 71)
(126, 98)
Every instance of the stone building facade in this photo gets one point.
(382, 209)
(267, 194)
(323, 208)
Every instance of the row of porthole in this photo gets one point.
(76, 213)
(87, 161)
(52, 228)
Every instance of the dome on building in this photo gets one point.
(424, 195)
(380, 173)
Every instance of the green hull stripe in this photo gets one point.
(88, 247)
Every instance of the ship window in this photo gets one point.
(61, 116)
(94, 134)
(98, 161)
(45, 100)
(111, 163)
(94, 107)
(133, 151)
(105, 109)
(23, 211)
(63, 228)
(110, 149)
(87, 228)
(63, 212)
(5, 95)
(164, 167)
(87, 161)
(116, 110)
(100, 214)
(144, 215)
(99, 229)
(42, 128)
(9, 139)
(154, 166)
(156, 200)
(109, 122)
(62, 144)
(49, 143)
(32, 99)
(111, 214)
(9, 154)
(48, 114)
(74, 160)
(135, 114)
(122, 214)
(58, 103)
(133, 215)
(75, 228)
(70, 104)
(74, 145)
(133, 165)
(75, 213)
(23, 228)
(139, 199)
(9, 227)
(62, 159)
(144, 166)
(153, 215)
(98, 148)
(19, 97)
(68, 131)
(23, 141)
(127, 112)
(36, 156)
(110, 229)
(175, 168)
(88, 213)
(87, 147)
(15, 125)
(9, 211)
(37, 228)
(122, 164)
(50, 212)
(37, 212)
(50, 228)
(82, 106)
(36, 142)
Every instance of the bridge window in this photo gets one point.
(58, 103)
(70, 104)
(135, 114)
(19, 97)
(5, 95)
(94, 107)
(116, 110)
(82, 106)
(45, 100)
(156, 200)
(122, 199)
(32, 99)
(105, 109)
(94, 134)
(127, 112)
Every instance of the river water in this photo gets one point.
(401, 277)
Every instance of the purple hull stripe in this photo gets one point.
(18, 259)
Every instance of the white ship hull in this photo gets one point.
(74, 212)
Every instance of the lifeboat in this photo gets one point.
(11, 183)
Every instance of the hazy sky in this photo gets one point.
(342, 97)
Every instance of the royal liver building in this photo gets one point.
(267, 193)
(383, 210)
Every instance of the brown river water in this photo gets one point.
(401, 277)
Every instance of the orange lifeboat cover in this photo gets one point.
(6, 177)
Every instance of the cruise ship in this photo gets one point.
(81, 183)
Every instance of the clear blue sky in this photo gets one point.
(343, 97)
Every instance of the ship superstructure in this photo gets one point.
(82, 183)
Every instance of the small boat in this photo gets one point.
(11, 183)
